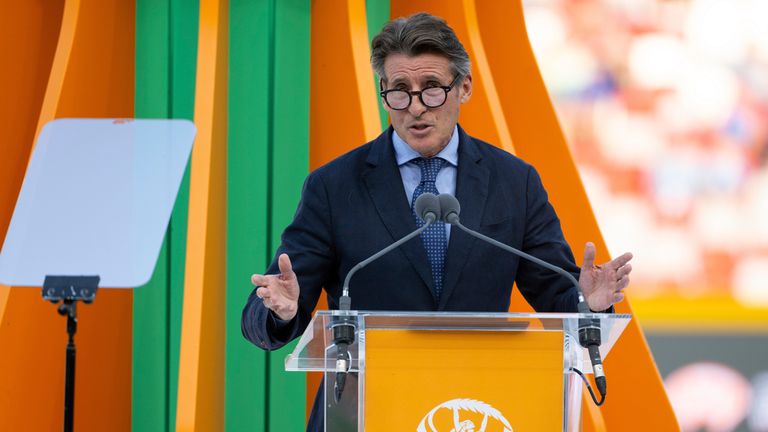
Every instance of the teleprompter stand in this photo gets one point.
(69, 290)
(92, 212)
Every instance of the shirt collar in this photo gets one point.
(404, 153)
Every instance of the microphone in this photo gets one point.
(427, 206)
(589, 329)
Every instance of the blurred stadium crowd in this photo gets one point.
(665, 106)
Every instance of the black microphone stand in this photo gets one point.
(343, 325)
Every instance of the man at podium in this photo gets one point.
(362, 202)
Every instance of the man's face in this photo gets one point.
(426, 130)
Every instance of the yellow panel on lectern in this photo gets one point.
(504, 378)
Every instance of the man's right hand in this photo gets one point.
(280, 293)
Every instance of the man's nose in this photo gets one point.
(416, 108)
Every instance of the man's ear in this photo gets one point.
(381, 98)
(466, 89)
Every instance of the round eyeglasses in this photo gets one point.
(430, 97)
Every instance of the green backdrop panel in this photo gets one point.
(166, 46)
(377, 14)
(183, 67)
(250, 35)
(150, 302)
(268, 159)
(289, 99)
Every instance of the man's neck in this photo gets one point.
(404, 153)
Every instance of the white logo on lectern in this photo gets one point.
(459, 425)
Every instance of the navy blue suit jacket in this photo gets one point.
(356, 205)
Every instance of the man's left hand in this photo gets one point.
(603, 284)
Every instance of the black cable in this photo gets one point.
(589, 387)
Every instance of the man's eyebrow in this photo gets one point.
(426, 78)
(431, 77)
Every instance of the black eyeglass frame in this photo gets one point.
(411, 93)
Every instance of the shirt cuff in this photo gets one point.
(277, 323)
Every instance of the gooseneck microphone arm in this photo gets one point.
(345, 302)
(589, 329)
(427, 206)
(583, 308)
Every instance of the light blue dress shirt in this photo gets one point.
(411, 173)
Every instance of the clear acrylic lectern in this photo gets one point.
(437, 371)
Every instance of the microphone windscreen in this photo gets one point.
(448, 205)
(427, 203)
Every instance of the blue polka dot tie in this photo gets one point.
(434, 237)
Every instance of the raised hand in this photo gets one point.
(280, 293)
(603, 284)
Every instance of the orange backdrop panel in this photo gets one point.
(343, 110)
(201, 360)
(636, 387)
(90, 75)
(27, 44)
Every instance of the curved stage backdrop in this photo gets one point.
(276, 88)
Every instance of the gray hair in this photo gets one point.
(420, 33)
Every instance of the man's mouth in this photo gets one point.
(420, 127)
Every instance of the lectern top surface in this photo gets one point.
(312, 351)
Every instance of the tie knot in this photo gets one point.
(429, 168)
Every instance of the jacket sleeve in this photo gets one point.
(543, 238)
(308, 243)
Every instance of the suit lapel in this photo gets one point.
(385, 186)
(472, 191)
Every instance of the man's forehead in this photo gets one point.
(422, 66)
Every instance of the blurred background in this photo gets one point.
(664, 104)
